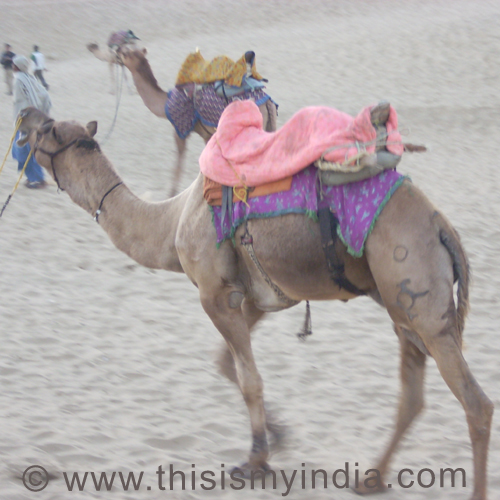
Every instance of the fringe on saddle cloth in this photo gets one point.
(196, 69)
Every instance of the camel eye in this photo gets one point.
(54, 133)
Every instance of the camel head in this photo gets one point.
(49, 139)
(92, 47)
(31, 120)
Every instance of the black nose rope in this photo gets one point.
(98, 211)
(52, 155)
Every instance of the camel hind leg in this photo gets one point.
(410, 253)
(411, 403)
(478, 408)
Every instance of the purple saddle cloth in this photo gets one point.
(357, 205)
(185, 106)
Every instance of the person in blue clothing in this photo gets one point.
(28, 92)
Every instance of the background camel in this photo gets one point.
(412, 258)
(125, 38)
(155, 99)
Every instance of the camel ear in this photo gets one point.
(92, 128)
(46, 127)
(57, 137)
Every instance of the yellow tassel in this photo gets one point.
(241, 194)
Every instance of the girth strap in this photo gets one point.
(247, 244)
(328, 228)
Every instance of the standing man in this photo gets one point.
(6, 62)
(39, 65)
(28, 92)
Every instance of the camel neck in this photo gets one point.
(147, 86)
(143, 230)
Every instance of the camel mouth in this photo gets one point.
(22, 139)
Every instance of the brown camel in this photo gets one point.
(109, 55)
(155, 99)
(413, 255)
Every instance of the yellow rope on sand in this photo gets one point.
(18, 124)
(17, 183)
(22, 172)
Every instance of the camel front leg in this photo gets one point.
(181, 151)
(225, 360)
(411, 402)
(275, 430)
(232, 324)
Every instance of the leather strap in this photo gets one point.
(328, 228)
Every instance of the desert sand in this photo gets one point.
(108, 366)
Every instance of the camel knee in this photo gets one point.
(409, 412)
(225, 364)
(251, 386)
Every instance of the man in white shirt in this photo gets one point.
(39, 65)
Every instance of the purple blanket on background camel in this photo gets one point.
(357, 205)
(185, 107)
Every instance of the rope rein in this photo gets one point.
(17, 183)
(119, 89)
(18, 124)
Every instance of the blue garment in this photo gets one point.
(33, 171)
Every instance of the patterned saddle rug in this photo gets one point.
(357, 205)
(187, 104)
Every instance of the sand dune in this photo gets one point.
(108, 366)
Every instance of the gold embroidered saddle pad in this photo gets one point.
(196, 69)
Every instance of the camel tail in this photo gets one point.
(461, 271)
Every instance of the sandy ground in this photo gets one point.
(108, 366)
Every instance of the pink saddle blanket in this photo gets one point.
(242, 153)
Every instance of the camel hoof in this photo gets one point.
(245, 471)
(277, 432)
